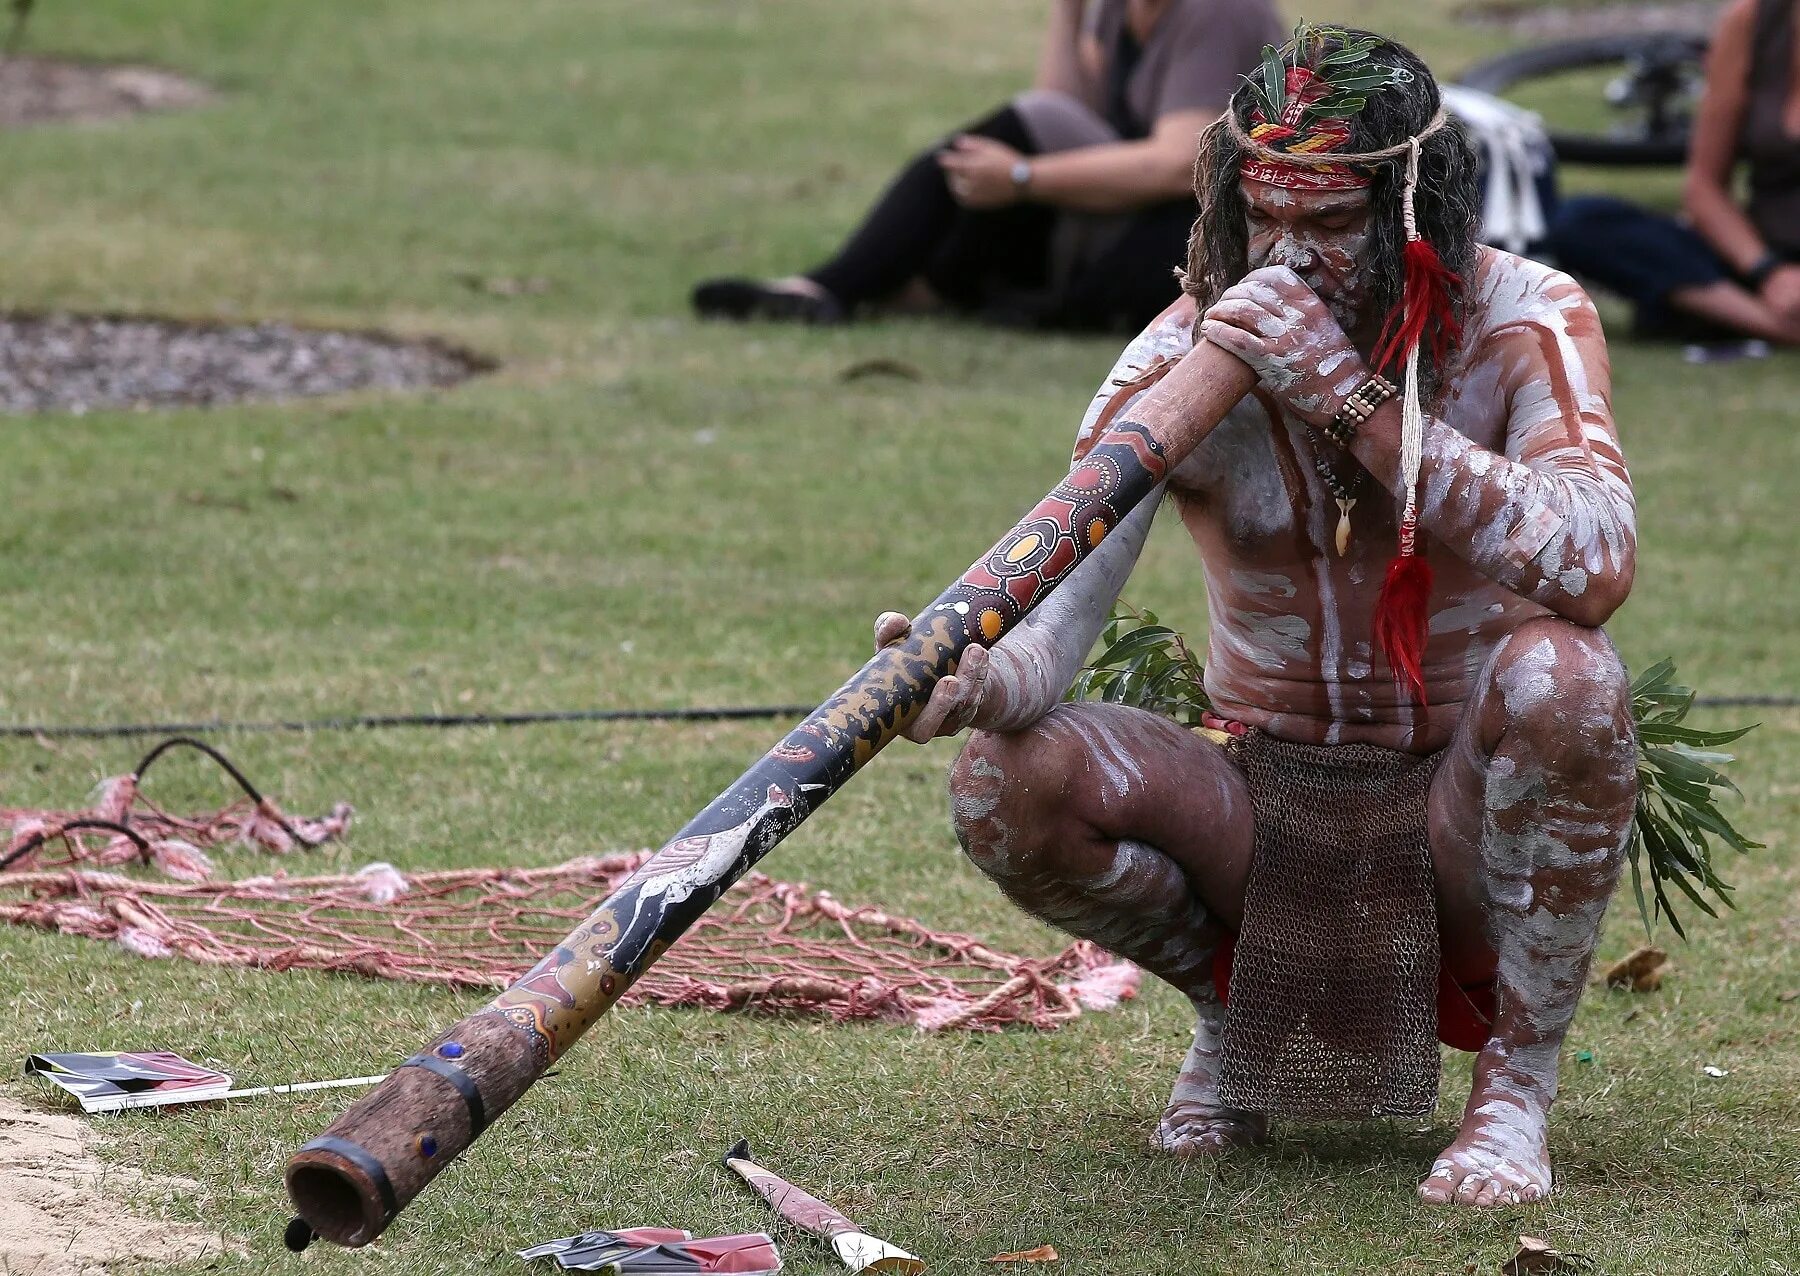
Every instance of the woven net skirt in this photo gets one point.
(1333, 995)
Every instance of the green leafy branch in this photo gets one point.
(1679, 786)
(1347, 70)
(1144, 663)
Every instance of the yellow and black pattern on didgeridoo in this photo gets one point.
(374, 1158)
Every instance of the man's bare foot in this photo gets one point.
(1195, 1123)
(1501, 1155)
(1194, 1129)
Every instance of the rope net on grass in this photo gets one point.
(767, 946)
(122, 826)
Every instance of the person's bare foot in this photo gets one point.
(1195, 1129)
(1195, 1123)
(1501, 1155)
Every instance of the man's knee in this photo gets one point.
(1560, 689)
(1000, 785)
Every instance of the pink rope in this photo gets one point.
(41, 838)
(768, 947)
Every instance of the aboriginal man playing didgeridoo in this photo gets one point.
(1414, 801)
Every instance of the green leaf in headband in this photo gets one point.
(1337, 108)
(1274, 79)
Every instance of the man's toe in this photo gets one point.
(1470, 1187)
(1490, 1193)
(1438, 1186)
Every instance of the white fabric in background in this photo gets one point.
(1517, 151)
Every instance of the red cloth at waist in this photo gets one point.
(1465, 1012)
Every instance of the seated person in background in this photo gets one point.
(1071, 206)
(1729, 268)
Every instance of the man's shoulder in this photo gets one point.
(1509, 291)
(1168, 336)
(1165, 338)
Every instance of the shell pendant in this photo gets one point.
(1343, 527)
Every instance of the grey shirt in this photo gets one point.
(1192, 61)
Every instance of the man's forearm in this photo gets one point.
(1561, 531)
(1032, 667)
(1111, 178)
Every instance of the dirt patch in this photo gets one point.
(45, 90)
(55, 1218)
(1559, 21)
(74, 363)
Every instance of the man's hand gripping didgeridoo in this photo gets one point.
(955, 699)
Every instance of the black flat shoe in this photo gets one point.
(754, 299)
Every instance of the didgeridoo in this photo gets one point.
(349, 1183)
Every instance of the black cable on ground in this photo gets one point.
(375, 722)
(48, 835)
(230, 768)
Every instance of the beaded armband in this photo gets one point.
(1357, 408)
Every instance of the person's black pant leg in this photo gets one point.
(1639, 254)
(1133, 280)
(908, 226)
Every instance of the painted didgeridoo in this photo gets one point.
(349, 1183)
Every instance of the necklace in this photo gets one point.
(1345, 492)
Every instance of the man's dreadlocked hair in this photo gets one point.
(1446, 204)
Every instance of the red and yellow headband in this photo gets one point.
(1288, 150)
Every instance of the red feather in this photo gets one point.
(1400, 620)
(1425, 297)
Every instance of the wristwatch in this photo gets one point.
(1021, 174)
(1758, 275)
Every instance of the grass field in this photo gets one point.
(639, 510)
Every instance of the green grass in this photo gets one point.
(640, 510)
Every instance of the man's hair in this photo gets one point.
(1446, 204)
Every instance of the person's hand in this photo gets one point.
(1272, 321)
(954, 700)
(980, 171)
(1782, 291)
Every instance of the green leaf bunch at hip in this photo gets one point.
(1679, 786)
(1146, 664)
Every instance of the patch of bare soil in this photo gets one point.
(42, 90)
(57, 1215)
(74, 363)
(1537, 21)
